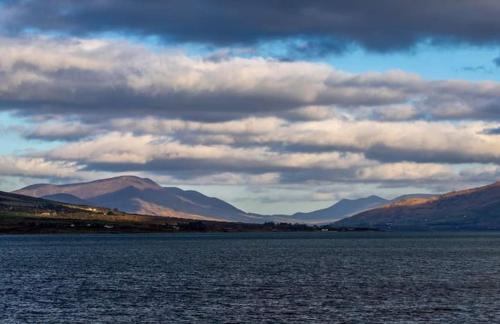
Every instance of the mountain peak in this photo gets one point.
(141, 195)
(130, 181)
(90, 189)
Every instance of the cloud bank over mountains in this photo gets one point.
(96, 105)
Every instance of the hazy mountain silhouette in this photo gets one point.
(348, 207)
(341, 209)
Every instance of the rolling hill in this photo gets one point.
(471, 209)
(14, 204)
(142, 196)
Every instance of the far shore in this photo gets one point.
(38, 225)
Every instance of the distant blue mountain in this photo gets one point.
(341, 209)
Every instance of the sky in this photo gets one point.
(274, 106)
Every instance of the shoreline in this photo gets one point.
(35, 225)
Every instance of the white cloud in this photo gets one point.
(126, 148)
(406, 171)
(36, 167)
(93, 77)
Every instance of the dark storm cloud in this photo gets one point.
(377, 25)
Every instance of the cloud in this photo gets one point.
(406, 171)
(335, 149)
(383, 141)
(59, 131)
(483, 172)
(228, 178)
(332, 24)
(127, 152)
(65, 77)
(237, 120)
(275, 153)
(423, 141)
(228, 117)
(492, 131)
(37, 167)
(89, 80)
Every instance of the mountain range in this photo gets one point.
(476, 208)
(141, 196)
(136, 195)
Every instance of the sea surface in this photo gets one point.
(251, 278)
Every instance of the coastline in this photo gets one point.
(37, 225)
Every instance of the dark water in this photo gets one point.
(251, 278)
